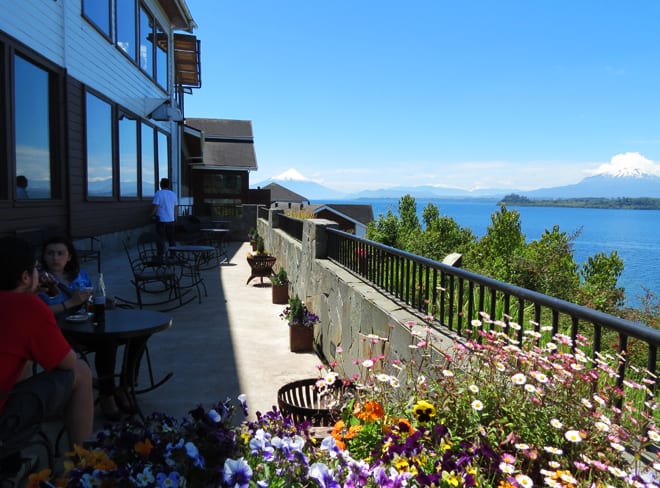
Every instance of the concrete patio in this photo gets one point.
(233, 342)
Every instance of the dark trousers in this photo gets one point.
(165, 231)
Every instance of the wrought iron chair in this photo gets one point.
(90, 251)
(21, 426)
(151, 278)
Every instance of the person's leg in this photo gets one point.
(79, 412)
(104, 362)
(160, 232)
(63, 392)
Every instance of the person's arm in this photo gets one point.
(176, 211)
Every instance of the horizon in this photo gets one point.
(369, 95)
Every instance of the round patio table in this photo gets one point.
(122, 326)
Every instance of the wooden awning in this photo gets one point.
(187, 61)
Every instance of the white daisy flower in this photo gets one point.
(477, 405)
(519, 379)
(573, 436)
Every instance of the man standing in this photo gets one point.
(29, 333)
(163, 211)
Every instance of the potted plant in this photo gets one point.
(301, 325)
(253, 237)
(261, 263)
(280, 282)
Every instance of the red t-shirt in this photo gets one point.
(28, 332)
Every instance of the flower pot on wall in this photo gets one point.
(301, 339)
(281, 294)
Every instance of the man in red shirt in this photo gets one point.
(29, 333)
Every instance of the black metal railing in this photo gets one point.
(211, 210)
(291, 226)
(452, 297)
(262, 212)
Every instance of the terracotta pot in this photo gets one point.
(281, 294)
(301, 339)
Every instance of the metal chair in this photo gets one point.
(91, 251)
(21, 425)
(152, 278)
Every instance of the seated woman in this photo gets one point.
(60, 259)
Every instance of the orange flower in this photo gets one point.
(337, 433)
(353, 431)
(143, 448)
(35, 479)
(372, 411)
(505, 484)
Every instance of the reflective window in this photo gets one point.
(163, 156)
(148, 162)
(99, 147)
(146, 42)
(161, 57)
(126, 16)
(98, 12)
(221, 183)
(128, 156)
(32, 130)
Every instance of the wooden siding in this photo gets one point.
(37, 24)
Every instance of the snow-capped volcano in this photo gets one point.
(628, 165)
(291, 174)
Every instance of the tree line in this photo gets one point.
(644, 203)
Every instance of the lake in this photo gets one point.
(633, 234)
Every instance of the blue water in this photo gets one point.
(633, 234)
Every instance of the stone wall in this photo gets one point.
(349, 308)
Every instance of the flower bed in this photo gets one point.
(497, 413)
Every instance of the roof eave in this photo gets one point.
(179, 14)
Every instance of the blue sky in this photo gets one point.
(468, 94)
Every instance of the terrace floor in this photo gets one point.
(233, 342)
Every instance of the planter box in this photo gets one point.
(281, 294)
(301, 339)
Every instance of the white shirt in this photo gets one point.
(166, 201)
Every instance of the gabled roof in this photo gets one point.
(278, 193)
(356, 212)
(228, 144)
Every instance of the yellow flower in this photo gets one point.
(424, 411)
(451, 479)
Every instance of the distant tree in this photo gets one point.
(385, 229)
(600, 275)
(495, 252)
(547, 265)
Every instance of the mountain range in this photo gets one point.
(631, 184)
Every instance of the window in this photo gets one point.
(126, 27)
(214, 183)
(98, 13)
(146, 42)
(128, 155)
(99, 147)
(161, 56)
(148, 161)
(163, 156)
(32, 130)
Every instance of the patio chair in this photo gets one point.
(89, 249)
(23, 426)
(154, 279)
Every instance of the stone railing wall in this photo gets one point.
(350, 309)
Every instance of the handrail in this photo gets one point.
(456, 297)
